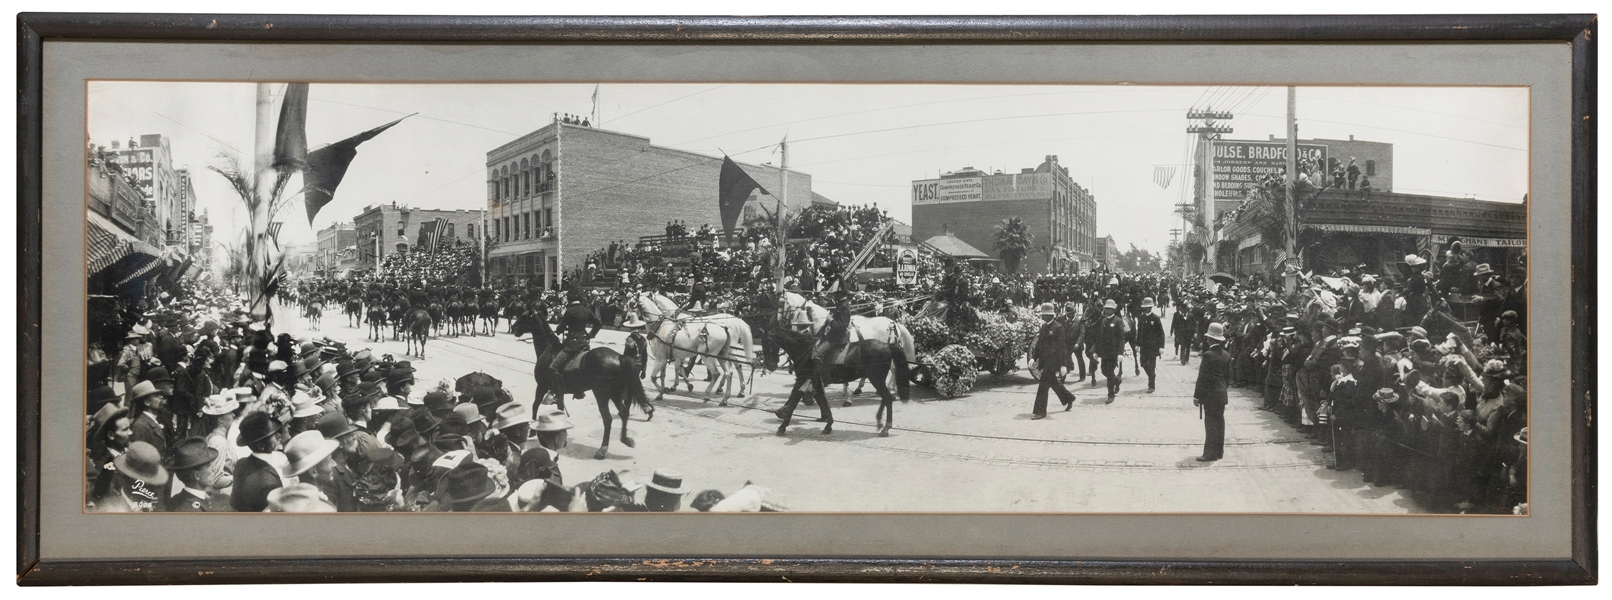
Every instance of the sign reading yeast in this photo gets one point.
(906, 266)
(943, 191)
(1238, 166)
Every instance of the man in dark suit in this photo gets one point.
(258, 474)
(1052, 355)
(1149, 341)
(1213, 371)
(191, 462)
(577, 326)
(1183, 329)
(1108, 337)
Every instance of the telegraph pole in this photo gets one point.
(783, 242)
(1291, 219)
(1208, 131)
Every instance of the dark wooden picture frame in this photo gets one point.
(1577, 30)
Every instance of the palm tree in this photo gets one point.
(1013, 242)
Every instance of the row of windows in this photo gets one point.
(519, 179)
(522, 226)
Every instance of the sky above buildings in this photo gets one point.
(862, 144)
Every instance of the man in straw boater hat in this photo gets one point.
(1214, 371)
(636, 347)
(665, 491)
(1052, 355)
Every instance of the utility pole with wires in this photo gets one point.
(783, 224)
(1205, 125)
(1291, 219)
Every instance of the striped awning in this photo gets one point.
(107, 244)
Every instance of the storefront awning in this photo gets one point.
(108, 244)
(1389, 229)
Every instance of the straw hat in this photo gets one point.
(1047, 309)
(306, 450)
(551, 422)
(299, 498)
(1217, 332)
(142, 462)
(220, 404)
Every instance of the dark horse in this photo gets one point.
(611, 377)
(354, 310)
(871, 359)
(418, 324)
(489, 317)
(377, 321)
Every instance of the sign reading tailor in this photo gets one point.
(906, 266)
(1238, 166)
(944, 191)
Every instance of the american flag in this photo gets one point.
(274, 230)
(1163, 176)
(439, 228)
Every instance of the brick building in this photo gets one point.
(563, 191)
(969, 203)
(384, 229)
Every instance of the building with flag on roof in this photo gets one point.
(559, 193)
(382, 230)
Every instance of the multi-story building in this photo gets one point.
(201, 241)
(336, 242)
(1107, 253)
(149, 163)
(384, 229)
(970, 204)
(563, 191)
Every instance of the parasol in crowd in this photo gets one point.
(476, 381)
(1223, 279)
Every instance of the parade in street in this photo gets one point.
(557, 349)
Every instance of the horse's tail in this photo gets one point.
(745, 339)
(903, 371)
(632, 387)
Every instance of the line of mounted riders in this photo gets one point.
(824, 346)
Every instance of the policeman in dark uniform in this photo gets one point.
(1149, 341)
(1109, 337)
(576, 327)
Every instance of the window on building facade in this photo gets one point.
(506, 229)
(1371, 168)
(548, 217)
(528, 218)
(497, 231)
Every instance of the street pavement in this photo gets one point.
(977, 453)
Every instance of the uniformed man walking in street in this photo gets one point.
(1214, 369)
(1052, 356)
(1108, 337)
(1149, 341)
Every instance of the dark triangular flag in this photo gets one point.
(326, 166)
(291, 135)
(733, 190)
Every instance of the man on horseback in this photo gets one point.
(835, 337)
(574, 328)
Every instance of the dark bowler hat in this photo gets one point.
(438, 401)
(159, 375)
(467, 484)
(333, 425)
(189, 453)
(256, 427)
(346, 368)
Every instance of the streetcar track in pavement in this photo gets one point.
(978, 436)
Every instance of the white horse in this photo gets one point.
(716, 339)
(862, 328)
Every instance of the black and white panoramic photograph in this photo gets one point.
(739, 297)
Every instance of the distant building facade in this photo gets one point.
(970, 203)
(564, 191)
(338, 250)
(1107, 253)
(382, 230)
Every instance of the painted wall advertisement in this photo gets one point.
(1238, 166)
(1019, 186)
(945, 191)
